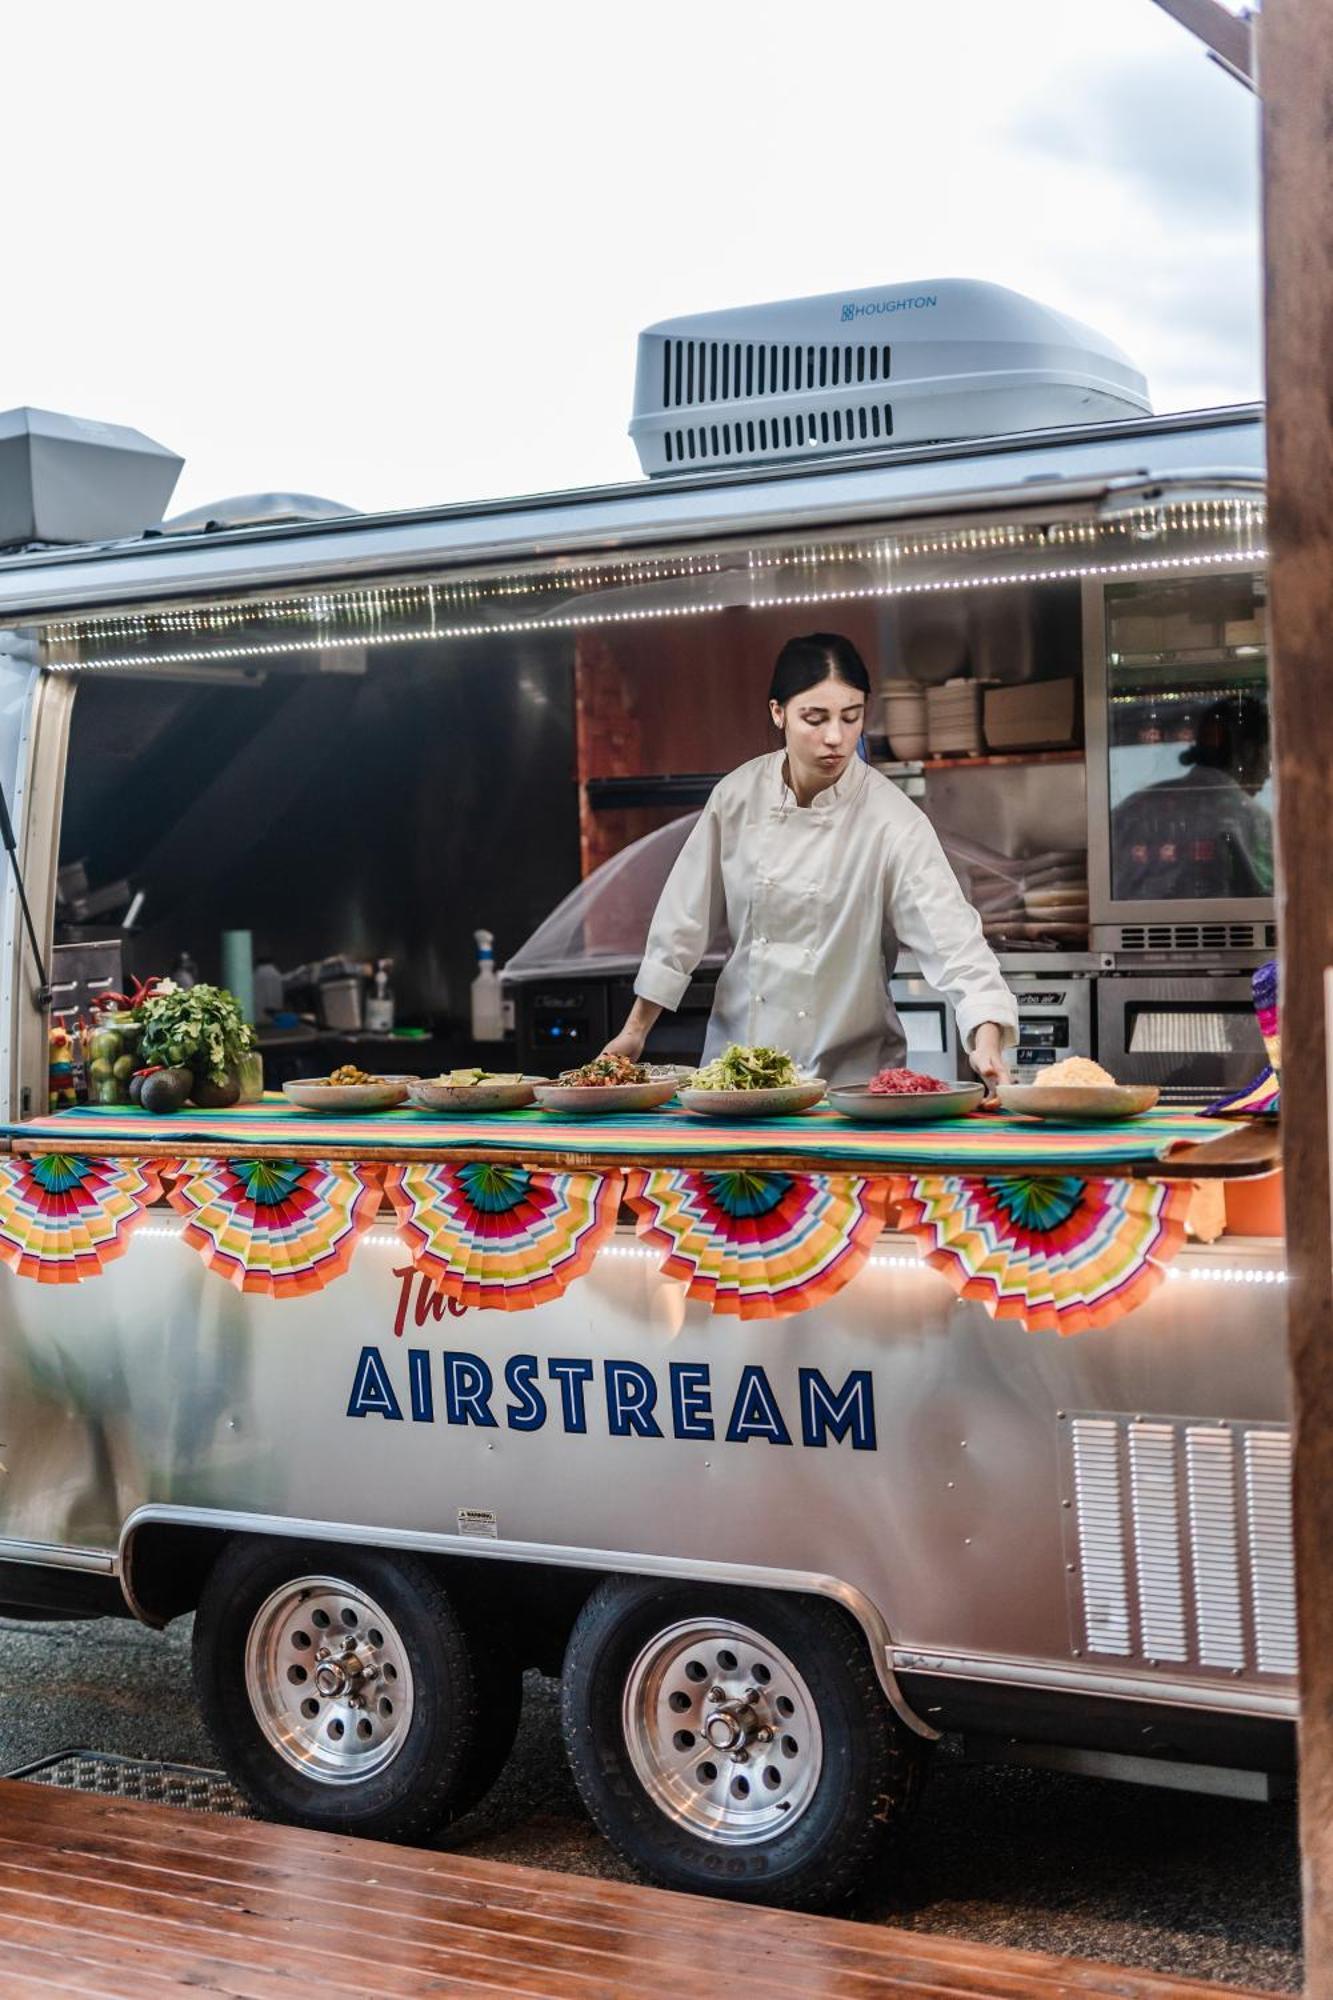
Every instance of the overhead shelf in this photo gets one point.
(688, 789)
(987, 760)
(1191, 656)
(695, 788)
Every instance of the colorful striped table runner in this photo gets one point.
(975, 1145)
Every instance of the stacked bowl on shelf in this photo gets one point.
(905, 720)
(953, 719)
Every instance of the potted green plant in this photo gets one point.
(199, 1030)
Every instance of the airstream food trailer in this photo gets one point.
(774, 1562)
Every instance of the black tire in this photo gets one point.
(868, 1780)
(460, 1721)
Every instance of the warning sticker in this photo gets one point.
(477, 1521)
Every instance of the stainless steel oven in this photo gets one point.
(930, 1029)
(1197, 1032)
(1055, 1016)
(1054, 1020)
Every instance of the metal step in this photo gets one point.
(101, 1771)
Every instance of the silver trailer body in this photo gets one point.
(1086, 1540)
(1103, 1514)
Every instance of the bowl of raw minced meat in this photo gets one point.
(905, 1097)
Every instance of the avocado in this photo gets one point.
(210, 1096)
(165, 1090)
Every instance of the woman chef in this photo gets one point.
(821, 869)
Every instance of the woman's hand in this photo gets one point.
(628, 1044)
(988, 1058)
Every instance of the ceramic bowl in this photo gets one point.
(903, 1107)
(315, 1093)
(428, 1094)
(596, 1100)
(782, 1102)
(1079, 1103)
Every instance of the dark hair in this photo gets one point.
(1229, 734)
(820, 656)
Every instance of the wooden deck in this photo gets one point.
(106, 1897)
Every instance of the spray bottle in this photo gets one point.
(379, 1001)
(487, 997)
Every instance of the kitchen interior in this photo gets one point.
(1093, 755)
(1079, 707)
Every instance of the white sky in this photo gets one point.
(400, 253)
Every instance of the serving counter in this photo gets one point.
(1061, 1226)
(1171, 1145)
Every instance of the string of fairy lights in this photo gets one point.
(1150, 542)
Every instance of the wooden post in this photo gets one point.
(1296, 84)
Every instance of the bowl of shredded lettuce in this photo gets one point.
(750, 1082)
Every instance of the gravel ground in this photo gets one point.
(1184, 1884)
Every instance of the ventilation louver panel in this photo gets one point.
(1158, 1555)
(1195, 937)
(1097, 1482)
(778, 436)
(1210, 1460)
(1268, 1518)
(731, 371)
(1179, 1538)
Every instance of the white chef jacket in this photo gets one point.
(817, 901)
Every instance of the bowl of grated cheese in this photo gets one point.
(1077, 1092)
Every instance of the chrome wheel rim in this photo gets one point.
(329, 1680)
(722, 1731)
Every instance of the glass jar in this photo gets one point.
(250, 1076)
(110, 1057)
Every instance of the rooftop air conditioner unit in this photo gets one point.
(856, 371)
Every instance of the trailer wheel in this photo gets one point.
(735, 1742)
(343, 1691)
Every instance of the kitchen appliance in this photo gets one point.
(1055, 1016)
(1196, 1034)
(561, 1023)
(928, 1024)
(341, 997)
(852, 371)
(1055, 1019)
(1180, 808)
(333, 989)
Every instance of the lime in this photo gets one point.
(123, 1067)
(100, 1070)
